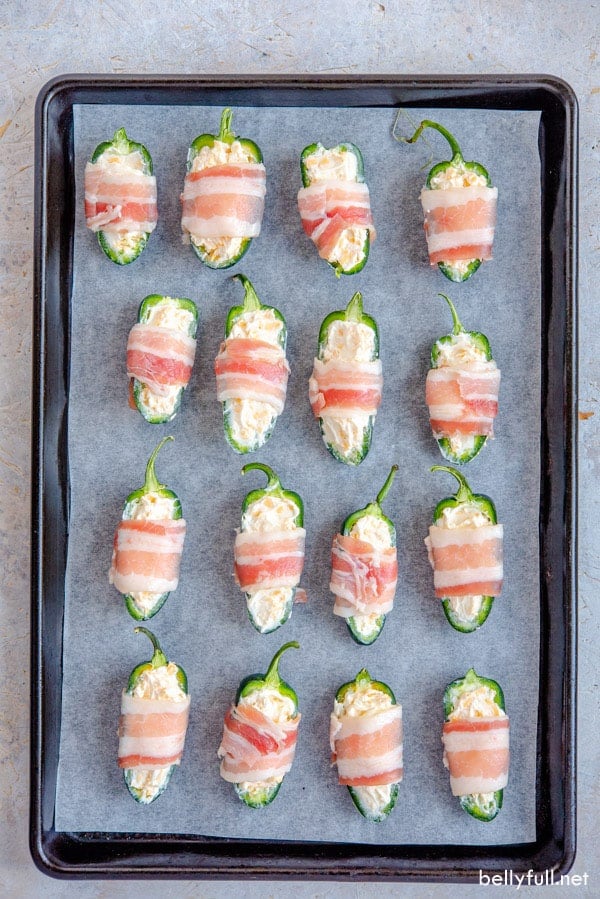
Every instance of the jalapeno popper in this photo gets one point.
(148, 545)
(366, 744)
(154, 717)
(259, 735)
(269, 551)
(252, 371)
(346, 384)
(459, 204)
(335, 207)
(223, 195)
(475, 738)
(120, 197)
(160, 355)
(461, 391)
(465, 552)
(364, 568)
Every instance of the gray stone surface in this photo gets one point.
(41, 40)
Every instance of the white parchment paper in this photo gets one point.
(203, 626)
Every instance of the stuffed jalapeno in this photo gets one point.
(252, 371)
(335, 207)
(160, 355)
(364, 568)
(346, 384)
(148, 545)
(223, 195)
(459, 204)
(465, 552)
(461, 391)
(154, 717)
(269, 551)
(366, 744)
(476, 744)
(120, 197)
(260, 734)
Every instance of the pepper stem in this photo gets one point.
(251, 301)
(354, 309)
(427, 123)
(363, 678)
(272, 676)
(389, 481)
(151, 484)
(225, 132)
(458, 328)
(273, 482)
(464, 493)
(121, 141)
(158, 658)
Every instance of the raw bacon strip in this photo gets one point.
(252, 369)
(462, 401)
(466, 561)
(363, 579)
(151, 732)
(119, 198)
(224, 201)
(327, 208)
(476, 753)
(341, 389)
(367, 748)
(269, 559)
(159, 357)
(459, 223)
(146, 555)
(254, 748)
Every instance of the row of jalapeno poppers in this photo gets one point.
(260, 733)
(224, 191)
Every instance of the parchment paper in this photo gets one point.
(203, 626)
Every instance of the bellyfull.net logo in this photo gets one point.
(510, 878)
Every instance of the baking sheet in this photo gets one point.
(203, 626)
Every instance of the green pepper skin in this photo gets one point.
(226, 135)
(124, 146)
(486, 505)
(482, 344)
(251, 304)
(158, 660)
(273, 681)
(360, 177)
(147, 305)
(273, 488)
(151, 485)
(471, 680)
(450, 271)
(360, 636)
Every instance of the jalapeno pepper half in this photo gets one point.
(222, 252)
(484, 806)
(107, 202)
(147, 771)
(465, 613)
(269, 572)
(457, 173)
(468, 377)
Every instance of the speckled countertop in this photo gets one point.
(41, 40)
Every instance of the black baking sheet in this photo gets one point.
(404, 859)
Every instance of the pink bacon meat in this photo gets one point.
(254, 748)
(466, 561)
(146, 555)
(459, 223)
(224, 201)
(252, 369)
(270, 559)
(159, 357)
(462, 401)
(363, 579)
(118, 198)
(367, 748)
(151, 731)
(476, 753)
(327, 208)
(338, 388)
